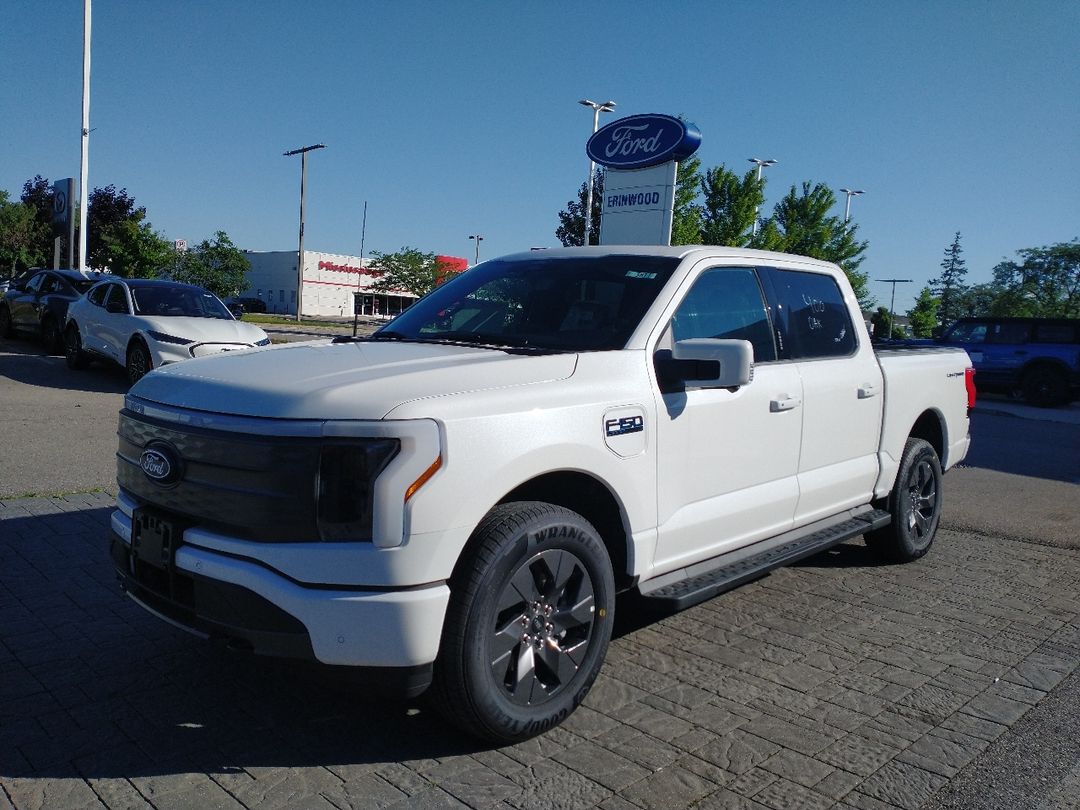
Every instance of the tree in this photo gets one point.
(18, 237)
(687, 216)
(38, 195)
(949, 286)
(801, 224)
(410, 270)
(1046, 284)
(109, 210)
(134, 250)
(982, 299)
(216, 264)
(571, 230)
(731, 205)
(923, 317)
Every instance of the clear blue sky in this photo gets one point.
(453, 119)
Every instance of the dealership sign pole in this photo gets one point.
(84, 207)
(641, 155)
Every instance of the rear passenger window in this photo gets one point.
(1056, 333)
(726, 303)
(1009, 332)
(818, 323)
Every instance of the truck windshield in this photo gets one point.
(560, 304)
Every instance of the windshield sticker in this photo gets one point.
(640, 274)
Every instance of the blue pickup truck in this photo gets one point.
(1036, 358)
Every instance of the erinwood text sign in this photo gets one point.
(640, 154)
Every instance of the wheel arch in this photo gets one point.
(930, 427)
(590, 498)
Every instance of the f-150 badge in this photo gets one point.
(624, 430)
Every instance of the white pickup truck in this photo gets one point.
(456, 500)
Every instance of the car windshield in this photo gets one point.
(189, 302)
(558, 304)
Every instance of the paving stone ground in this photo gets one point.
(838, 683)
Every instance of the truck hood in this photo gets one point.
(323, 380)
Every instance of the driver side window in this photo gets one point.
(726, 303)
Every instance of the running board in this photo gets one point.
(693, 585)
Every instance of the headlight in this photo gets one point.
(161, 337)
(346, 486)
(263, 342)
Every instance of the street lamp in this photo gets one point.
(761, 164)
(894, 282)
(300, 252)
(847, 207)
(478, 239)
(607, 106)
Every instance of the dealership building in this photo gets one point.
(331, 282)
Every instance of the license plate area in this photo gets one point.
(155, 537)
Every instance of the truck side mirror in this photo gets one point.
(714, 363)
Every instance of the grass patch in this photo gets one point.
(260, 317)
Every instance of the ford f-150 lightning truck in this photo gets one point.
(455, 500)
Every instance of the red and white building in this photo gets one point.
(330, 282)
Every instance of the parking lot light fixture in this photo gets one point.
(478, 239)
(300, 252)
(847, 207)
(761, 164)
(607, 106)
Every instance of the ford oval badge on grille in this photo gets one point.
(160, 464)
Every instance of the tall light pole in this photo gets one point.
(84, 170)
(894, 282)
(300, 252)
(478, 239)
(761, 164)
(847, 208)
(607, 106)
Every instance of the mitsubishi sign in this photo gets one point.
(641, 155)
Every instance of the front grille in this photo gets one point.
(249, 486)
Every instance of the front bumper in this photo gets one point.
(249, 604)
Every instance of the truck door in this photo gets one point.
(842, 389)
(727, 459)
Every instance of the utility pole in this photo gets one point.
(761, 164)
(892, 302)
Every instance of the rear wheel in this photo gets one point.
(73, 353)
(915, 505)
(50, 335)
(528, 624)
(138, 361)
(1046, 387)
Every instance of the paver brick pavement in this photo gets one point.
(835, 683)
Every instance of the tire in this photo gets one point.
(6, 329)
(139, 361)
(531, 608)
(1046, 387)
(74, 355)
(915, 505)
(51, 336)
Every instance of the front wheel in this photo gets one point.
(73, 351)
(915, 505)
(6, 328)
(528, 624)
(139, 361)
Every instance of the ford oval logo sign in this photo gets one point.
(160, 464)
(643, 140)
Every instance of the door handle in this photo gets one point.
(784, 403)
(867, 391)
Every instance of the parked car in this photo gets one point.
(143, 324)
(248, 304)
(38, 305)
(1036, 358)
